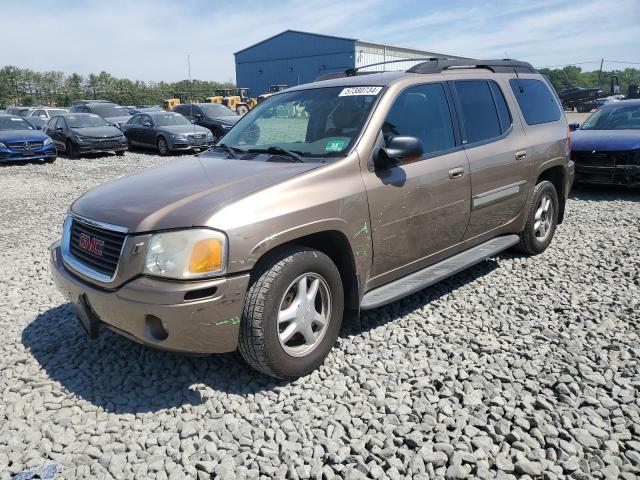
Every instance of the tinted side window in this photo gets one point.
(479, 112)
(536, 101)
(501, 104)
(423, 112)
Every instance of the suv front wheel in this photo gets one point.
(292, 313)
(542, 219)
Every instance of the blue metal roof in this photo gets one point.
(299, 32)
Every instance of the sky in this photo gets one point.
(150, 39)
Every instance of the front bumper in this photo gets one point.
(103, 146)
(179, 145)
(44, 153)
(155, 312)
(625, 175)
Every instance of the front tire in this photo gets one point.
(542, 219)
(163, 147)
(292, 313)
(242, 110)
(71, 149)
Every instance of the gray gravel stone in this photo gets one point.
(521, 367)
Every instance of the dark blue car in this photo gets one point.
(606, 147)
(19, 140)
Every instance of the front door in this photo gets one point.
(419, 208)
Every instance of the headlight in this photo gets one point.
(187, 254)
(181, 138)
(227, 127)
(83, 139)
(48, 141)
(2, 145)
(209, 137)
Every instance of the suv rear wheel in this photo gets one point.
(292, 313)
(541, 221)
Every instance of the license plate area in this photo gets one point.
(88, 319)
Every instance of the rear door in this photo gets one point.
(132, 129)
(422, 207)
(495, 145)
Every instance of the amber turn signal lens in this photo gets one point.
(206, 256)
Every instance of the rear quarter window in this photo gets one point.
(536, 101)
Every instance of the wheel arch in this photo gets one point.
(336, 246)
(557, 176)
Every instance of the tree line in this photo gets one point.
(21, 86)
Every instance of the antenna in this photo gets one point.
(191, 95)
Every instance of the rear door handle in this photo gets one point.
(521, 155)
(457, 172)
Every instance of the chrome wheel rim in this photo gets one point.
(162, 145)
(543, 220)
(304, 314)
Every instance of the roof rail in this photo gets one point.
(437, 65)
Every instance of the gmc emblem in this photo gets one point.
(92, 245)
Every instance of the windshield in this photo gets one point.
(53, 112)
(168, 119)
(321, 122)
(83, 121)
(214, 110)
(615, 118)
(107, 111)
(14, 123)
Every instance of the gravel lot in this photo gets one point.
(519, 367)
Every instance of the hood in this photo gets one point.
(184, 129)
(605, 140)
(106, 131)
(228, 120)
(118, 120)
(22, 136)
(181, 194)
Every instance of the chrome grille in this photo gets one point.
(95, 247)
(22, 146)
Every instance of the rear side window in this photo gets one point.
(479, 112)
(536, 101)
(422, 111)
(504, 115)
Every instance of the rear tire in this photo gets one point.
(242, 110)
(71, 149)
(120, 153)
(542, 219)
(292, 313)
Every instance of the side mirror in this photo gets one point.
(59, 129)
(147, 124)
(398, 149)
(197, 116)
(573, 127)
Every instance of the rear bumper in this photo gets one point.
(626, 175)
(154, 312)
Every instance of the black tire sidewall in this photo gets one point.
(280, 362)
(71, 149)
(166, 152)
(544, 188)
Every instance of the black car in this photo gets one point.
(111, 112)
(217, 118)
(166, 132)
(78, 133)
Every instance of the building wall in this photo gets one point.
(370, 53)
(291, 58)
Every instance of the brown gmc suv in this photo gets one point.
(339, 195)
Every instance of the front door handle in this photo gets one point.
(457, 172)
(521, 155)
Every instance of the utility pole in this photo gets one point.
(600, 73)
(190, 81)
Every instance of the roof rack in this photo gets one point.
(437, 65)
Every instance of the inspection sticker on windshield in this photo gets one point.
(334, 146)
(350, 91)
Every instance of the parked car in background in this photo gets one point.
(370, 188)
(142, 109)
(84, 102)
(166, 132)
(606, 147)
(19, 111)
(41, 115)
(79, 133)
(217, 118)
(19, 140)
(111, 112)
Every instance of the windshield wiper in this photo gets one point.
(230, 150)
(280, 152)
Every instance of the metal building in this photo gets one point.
(293, 57)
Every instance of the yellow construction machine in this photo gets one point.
(178, 98)
(237, 99)
(272, 89)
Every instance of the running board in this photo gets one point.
(424, 278)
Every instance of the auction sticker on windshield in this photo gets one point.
(334, 146)
(350, 91)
